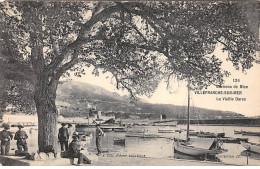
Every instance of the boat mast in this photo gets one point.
(188, 118)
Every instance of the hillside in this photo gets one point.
(77, 97)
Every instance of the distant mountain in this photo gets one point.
(71, 87)
(81, 95)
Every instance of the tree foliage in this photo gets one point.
(135, 41)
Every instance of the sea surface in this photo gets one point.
(159, 147)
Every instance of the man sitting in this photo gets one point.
(74, 152)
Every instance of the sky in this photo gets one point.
(178, 95)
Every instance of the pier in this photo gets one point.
(226, 122)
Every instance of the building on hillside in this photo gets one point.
(94, 116)
(163, 117)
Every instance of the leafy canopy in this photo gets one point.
(138, 42)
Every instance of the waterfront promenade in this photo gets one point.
(107, 161)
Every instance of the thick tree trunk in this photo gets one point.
(45, 86)
(45, 95)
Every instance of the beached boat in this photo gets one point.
(251, 146)
(199, 146)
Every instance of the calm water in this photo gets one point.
(163, 148)
(160, 147)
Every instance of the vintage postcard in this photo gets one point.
(129, 83)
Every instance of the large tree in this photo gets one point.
(136, 42)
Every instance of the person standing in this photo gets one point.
(70, 130)
(21, 137)
(63, 137)
(5, 137)
(99, 133)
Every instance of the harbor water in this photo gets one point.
(159, 148)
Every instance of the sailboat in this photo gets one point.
(199, 146)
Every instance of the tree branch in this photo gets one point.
(67, 65)
(55, 44)
(144, 15)
(81, 38)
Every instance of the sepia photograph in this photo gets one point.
(129, 83)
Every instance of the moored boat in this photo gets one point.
(165, 131)
(220, 135)
(233, 140)
(122, 129)
(119, 140)
(132, 134)
(149, 136)
(206, 135)
(249, 133)
(210, 135)
(85, 125)
(238, 132)
(106, 129)
(193, 133)
(202, 147)
(251, 146)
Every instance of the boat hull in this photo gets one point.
(192, 151)
(251, 147)
(120, 129)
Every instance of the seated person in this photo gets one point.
(74, 151)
